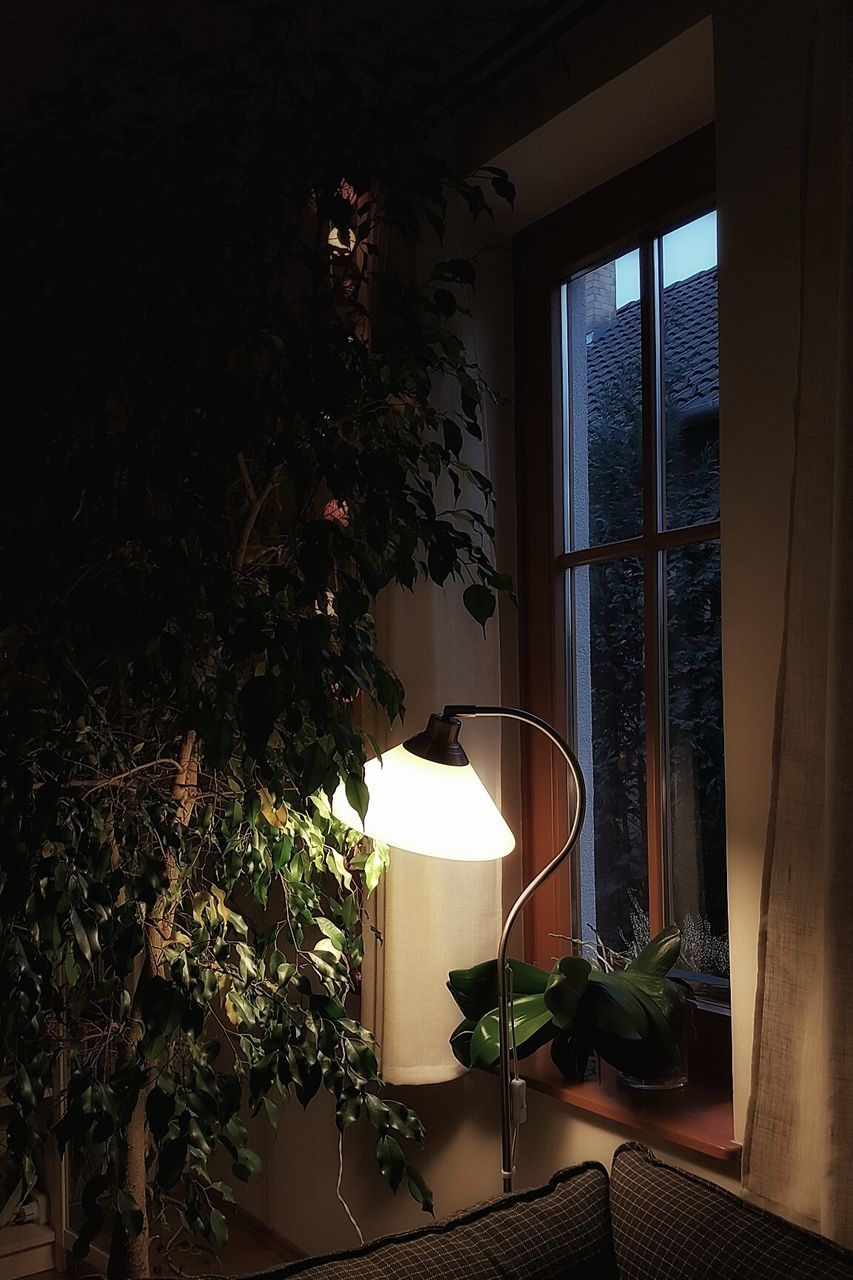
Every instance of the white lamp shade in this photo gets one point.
(440, 810)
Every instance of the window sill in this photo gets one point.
(698, 1117)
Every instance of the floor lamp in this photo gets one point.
(426, 797)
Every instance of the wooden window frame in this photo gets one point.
(646, 201)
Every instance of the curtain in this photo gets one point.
(434, 915)
(798, 1156)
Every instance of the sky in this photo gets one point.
(686, 250)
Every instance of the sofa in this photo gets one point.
(647, 1221)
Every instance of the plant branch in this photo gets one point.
(255, 508)
(119, 777)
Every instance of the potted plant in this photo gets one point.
(633, 1017)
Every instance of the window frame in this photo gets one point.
(645, 202)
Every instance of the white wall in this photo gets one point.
(759, 49)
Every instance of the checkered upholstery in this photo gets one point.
(670, 1225)
(558, 1232)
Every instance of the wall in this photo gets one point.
(758, 69)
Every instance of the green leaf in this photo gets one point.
(480, 603)
(460, 1041)
(362, 1062)
(660, 955)
(218, 1228)
(348, 1109)
(391, 1160)
(530, 1017)
(170, 1162)
(357, 794)
(617, 1012)
(271, 1112)
(80, 935)
(94, 1214)
(335, 935)
(130, 1214)
(249, 1159)
(570, 1052)
(418, 1189)
(475, 990)
(566, 984)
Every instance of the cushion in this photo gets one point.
(671, 1225)
(557, 1232)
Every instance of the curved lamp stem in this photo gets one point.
(504, 972)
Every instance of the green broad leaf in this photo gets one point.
(660, 955)
(530, 1016)
(24, 1087)
(159, 1109)
(502, 187)
(80, 935)
(94, 1214)
(615, 1010)
(249, 1159)
(335, 935)
(377, 1112)
(218, 1228)
(480, 603)
(566, 984)
(348, 1109)
(475, 990)
(460, 1041)
(375, 864)
(570, 1052)
(404, 1121)
(284, 972)
(170, 1162)
(357, 794)
(130, 1214)
(222, 1189)
(418, 1189)
(392, 1162)
(361, 1061)
(456, 269)
(270, 1111)
(29, 1174)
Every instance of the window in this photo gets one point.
(620, 561)
(641, 570)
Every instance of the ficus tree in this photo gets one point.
(222, 444)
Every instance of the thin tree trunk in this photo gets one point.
(130, 1258)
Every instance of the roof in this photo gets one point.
(691, 351)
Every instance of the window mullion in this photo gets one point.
(650, 311)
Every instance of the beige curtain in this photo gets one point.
(433, 914)
(798, 1156)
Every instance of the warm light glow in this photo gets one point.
(440, 810)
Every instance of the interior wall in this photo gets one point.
(758, 55)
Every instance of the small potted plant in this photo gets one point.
(633, 1017)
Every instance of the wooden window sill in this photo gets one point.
(698, 1117)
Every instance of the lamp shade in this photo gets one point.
(440, 810)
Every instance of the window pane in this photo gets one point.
(604, 404)
(691, 373)
(607, 628)
(695, 787)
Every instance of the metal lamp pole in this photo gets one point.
(504, 972)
